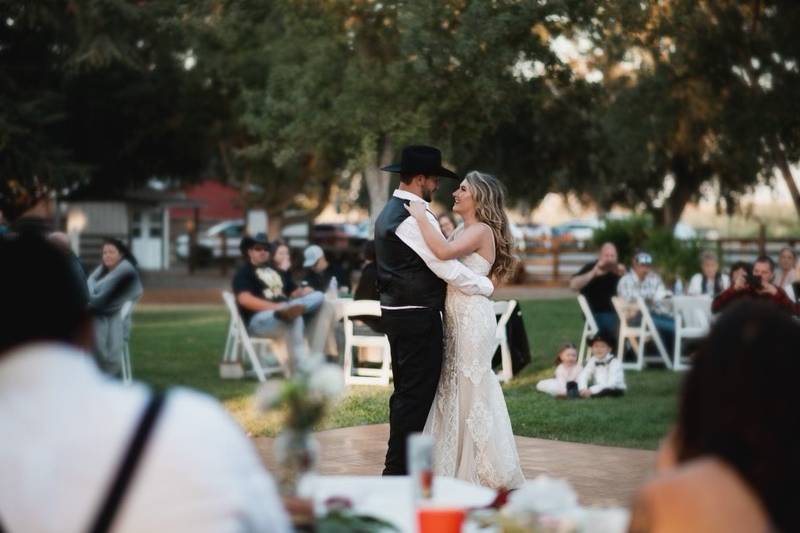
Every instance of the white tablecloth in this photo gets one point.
(391, 498)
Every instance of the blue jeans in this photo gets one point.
(608, 323)
(266, 324)
(665, 325)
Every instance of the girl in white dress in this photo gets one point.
(567, 371)
(469, 420)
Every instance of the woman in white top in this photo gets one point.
(567, 371)
(710, 281)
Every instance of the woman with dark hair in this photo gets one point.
(111, 331)
(282, 263)
(731, 462)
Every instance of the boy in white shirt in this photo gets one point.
(603, 370)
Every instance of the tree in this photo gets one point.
(95, 96)
(683, 104)
(366, 78)
(243, 48)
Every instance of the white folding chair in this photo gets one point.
(127, 371)
(590, 328)
(238, 340)
(353, 373)
(639, 335)
(504, 310)
(692, 321)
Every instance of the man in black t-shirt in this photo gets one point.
(263, 306)
(597, 281)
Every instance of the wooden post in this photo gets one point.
(193, 239)
(762, 238)
(223, 253)
(556, 252)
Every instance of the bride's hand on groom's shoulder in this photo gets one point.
(417, 209)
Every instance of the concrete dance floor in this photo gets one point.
(601, 475)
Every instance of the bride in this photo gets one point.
(468, 419)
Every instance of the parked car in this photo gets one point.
(684, 231)
(537, 232)
(577, 230)
(329, 236)
(210, 243)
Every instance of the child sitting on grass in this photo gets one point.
(567, 372)
(603, 370)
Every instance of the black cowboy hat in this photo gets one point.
(248, 242)
(421, 159)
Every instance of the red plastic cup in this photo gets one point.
(440, 519)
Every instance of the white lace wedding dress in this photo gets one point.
(469, 419)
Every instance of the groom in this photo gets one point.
(412, 283)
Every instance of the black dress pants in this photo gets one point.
(415, 337)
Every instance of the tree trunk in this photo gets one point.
(687, 182)
(786, 172)
(274, 226)
(377, 180)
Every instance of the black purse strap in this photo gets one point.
(127, 468)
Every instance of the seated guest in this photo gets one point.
(597, 281)
(447, 223)
(110, 330)
(730, 465)
(565, 382)
(710, 281)
(60, 240)
(263, 306)
(367, 288)
(755, 286)
(73, 428)
(603, 374)
(282, 264)
(786, 272)
(321, 272)
(642, 281)
(321, 319)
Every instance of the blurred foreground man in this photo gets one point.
(81, 452)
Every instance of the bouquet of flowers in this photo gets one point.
(547, 505)
(306, 396)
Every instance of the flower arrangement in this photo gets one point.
(547, 505)
(306, 397)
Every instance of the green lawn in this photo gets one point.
(184, 347)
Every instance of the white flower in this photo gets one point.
(327, 381)
(543, 495)
(268, 395)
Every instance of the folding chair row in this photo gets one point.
(692, 321)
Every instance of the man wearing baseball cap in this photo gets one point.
(643, 281)
(320, 271)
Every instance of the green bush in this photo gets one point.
(629, 235)
(673, 257)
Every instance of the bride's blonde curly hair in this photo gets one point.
(490, 197)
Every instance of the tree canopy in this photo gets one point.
(658, 102)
